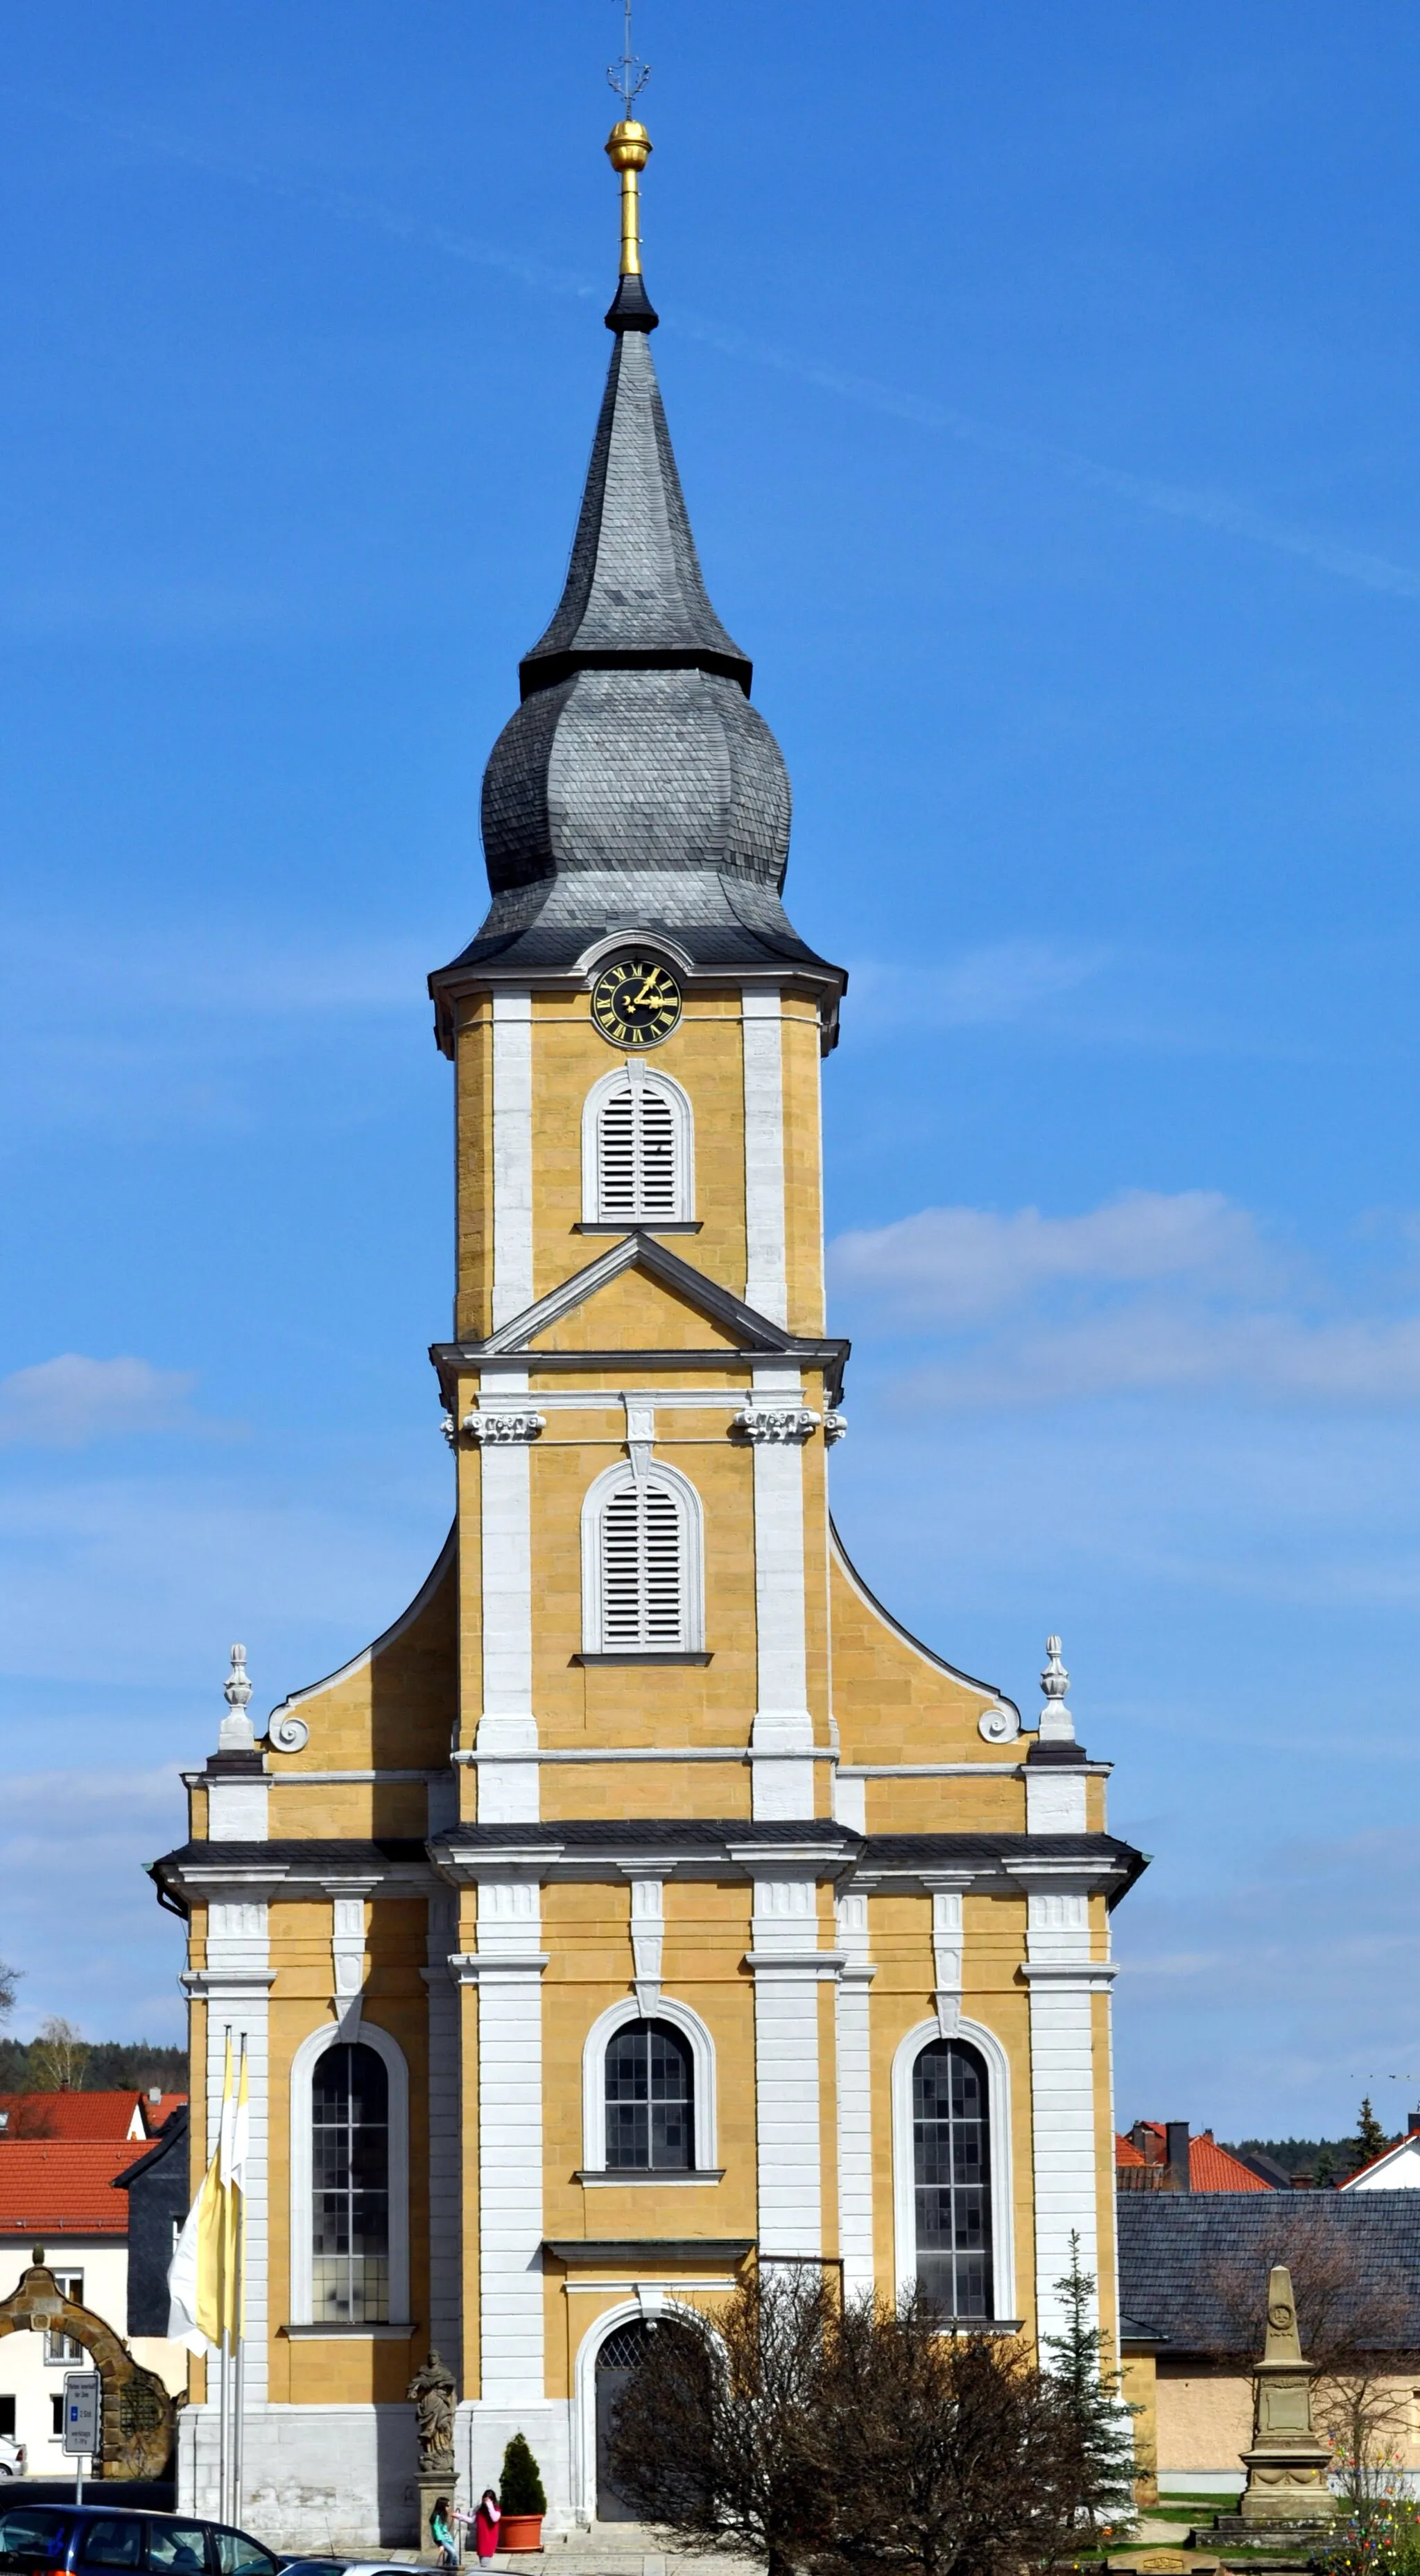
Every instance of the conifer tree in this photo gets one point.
(521, 2489)
(1370, 2140)
(1077, 2362)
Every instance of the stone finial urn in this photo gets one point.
(1287, 2465)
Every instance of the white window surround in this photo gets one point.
(634, 1075)
(904, 2188)
(647, 2306)
(303, 2065)
(702, 2057)
(622, 1479)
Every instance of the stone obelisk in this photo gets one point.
(1287, 2465)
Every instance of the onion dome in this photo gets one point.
(636, 787)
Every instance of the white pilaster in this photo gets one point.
(445, 2192)
(235, 1985)
(507, 1968)
(855, 2097)
(788, 1966)
(781, 1741)
(766, 1269)
(648, 1934)
(507, 1788)
(1063, 1981)
(512, 1155)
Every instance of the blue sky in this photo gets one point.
(1045, 385)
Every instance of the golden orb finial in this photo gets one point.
(628, 149)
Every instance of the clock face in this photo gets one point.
(636, 1002)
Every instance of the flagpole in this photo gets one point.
(239, 2304)
(222, 2431)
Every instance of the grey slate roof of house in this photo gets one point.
(1180, 2251)
(636, 787)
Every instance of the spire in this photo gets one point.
(635, 786)
(635, 596)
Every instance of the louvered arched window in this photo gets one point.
(641, 1564)
(637, 1137)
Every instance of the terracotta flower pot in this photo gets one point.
(520, 2531)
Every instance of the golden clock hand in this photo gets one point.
(648, 993)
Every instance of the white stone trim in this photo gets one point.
(766, 1252)
(509, 1968)
(1055, 1799)
(584, 2402)
(507, 1788)
(853, 2042)
(702, 2057)
(365, 2034)
(347, 1948)
(237, 1810)
(1062, 1979)
(904, 2203)
(782, 1724)
(634, 1075)
(787, 1966)
(236, 1986)
(648, 1940)
(445, 2138)
(691, 1520)
(512, 1155)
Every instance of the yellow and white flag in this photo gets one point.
(202, 2286)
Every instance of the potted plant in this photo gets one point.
(521, 2498)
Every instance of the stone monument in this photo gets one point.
(1287, 2466)
(432, 2393)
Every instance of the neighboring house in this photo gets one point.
(1193, 2265)
(85, 2115)
(1162, 2156)
(159, 2191)
(1397, 2169)
(62, 2200)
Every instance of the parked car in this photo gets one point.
(103, 2539)
(12, 2457)
(360, 2567)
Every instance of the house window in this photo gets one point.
(650, 2100)
(7, 2419)
(951, 2150)
(641, 1564)
(350, 2187)
(636, 1150)
(62, 2347)
(56, 2417)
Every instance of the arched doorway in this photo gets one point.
(616, 2360)
(138, 2414)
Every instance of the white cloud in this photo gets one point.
(1172, 1294)
(67, 1402)
(961, 1265)
(996, 986)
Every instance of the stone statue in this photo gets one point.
(431, 2393)
(1287, 2466)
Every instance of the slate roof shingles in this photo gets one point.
(1176, 2250)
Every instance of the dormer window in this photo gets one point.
(637, 1139)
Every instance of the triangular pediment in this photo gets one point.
(693, 1307)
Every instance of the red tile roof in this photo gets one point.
(1210, 2167)
(63, 2187)
(85, 2115)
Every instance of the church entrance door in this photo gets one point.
(616, 2361)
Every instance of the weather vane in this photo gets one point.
(628, 77)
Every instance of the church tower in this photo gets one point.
(645, 1903)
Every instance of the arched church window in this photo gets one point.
(650, 2100)
(641, 1564)
(350, 2186)
(636, 1150)
(951, 2149)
